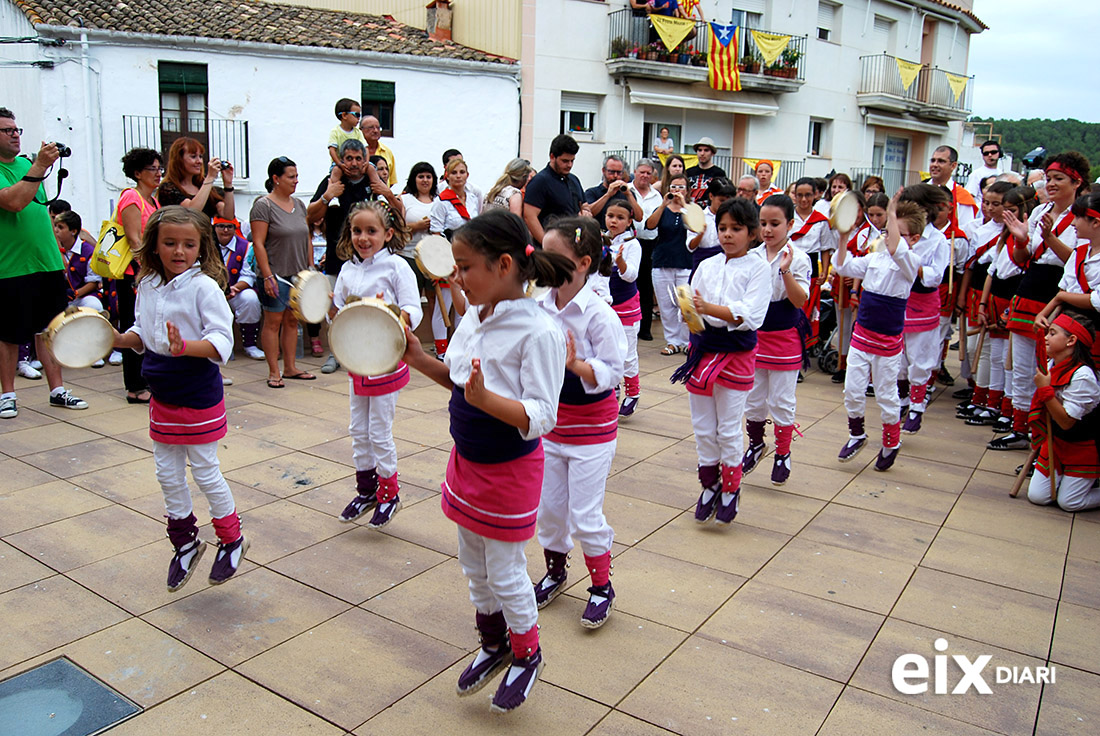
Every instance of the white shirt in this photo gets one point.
(383, 272)
(193, 302)
(1081, 395)
(959, 247)
(1035, 234)
(973, 184)
(800, 269)
(1003, 266)
(882, 273)
(522, 355)
(415, 211)
(934, 253)
(632, 254)
(1091, 268)
(649, 204)
(247, 276)
(444, 216)
(597, 333)
(710, 232)
(740, 284)
(815, 240)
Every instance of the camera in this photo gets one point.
(63, 151)
(670, 196)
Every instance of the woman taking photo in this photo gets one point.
(144, 166)
(507, 193)
(281, 243)
(190, 182)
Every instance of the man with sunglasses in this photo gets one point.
(991, 166)
(32, 275)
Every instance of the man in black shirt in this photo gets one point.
(554, 192)
(331, 203)
(699, 176)
(614, 186)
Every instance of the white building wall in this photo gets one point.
(20, 83)
(288, 102)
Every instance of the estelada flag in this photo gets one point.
(722, 71)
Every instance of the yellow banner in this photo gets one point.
(672, 30)
(958, 84)
(908, 71)
(771, 45)
(752, 162)
(690, 159)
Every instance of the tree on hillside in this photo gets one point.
(1020, 136)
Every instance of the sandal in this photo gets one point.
(300, 376)
(670, 350)
(135, 397)
(275, 383)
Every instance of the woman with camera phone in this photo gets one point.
(671, 262)
(190, 182)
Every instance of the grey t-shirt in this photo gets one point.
(288, 243)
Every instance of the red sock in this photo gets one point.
(917, 392)
(981, 395)
(1019, 421)
(525, 644)
(1006, 405)
(731, 478)
(387, 488)
(783, 439)
(891, 435)
(228, 528)
(440, 347)
(599, 568)
(633, 386)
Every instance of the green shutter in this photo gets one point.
(378, 91)
(185, 78)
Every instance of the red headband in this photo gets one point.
(223, 221)
(1092, 213)
(764, 161)
(1056, 166)
(1073, 327)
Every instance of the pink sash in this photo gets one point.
(733, 370)
(179, 425)
(630, 311)
(586, 424)
(496, 500)
(780, 350)
(922, 311)
(386, 383)
(876, 343)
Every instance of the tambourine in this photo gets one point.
(535, 291)
(79, 336)
(843, 212)
(694, 218)
(687, 309)
(368, 336)
(434, 257)
(309, 296)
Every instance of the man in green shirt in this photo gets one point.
(32, 276)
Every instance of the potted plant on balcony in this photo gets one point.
(619, 47)
(655, 49)
(750, 64)
(788, 62)
(634, 51)
(699, 58)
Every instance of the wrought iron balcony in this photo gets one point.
(223, 139)
(634, 50)
(734, 166)
(930, 95)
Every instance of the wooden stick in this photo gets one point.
(1023, 473)
(978, 351)
(964, 334)
(1050, 462)
(443, 309)
(1008, 355)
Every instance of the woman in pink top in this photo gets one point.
(135, 206)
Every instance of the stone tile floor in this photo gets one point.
(788, 622)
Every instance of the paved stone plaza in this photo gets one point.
(788, 622)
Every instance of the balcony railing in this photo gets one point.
(634, 38)
(897, 178)
(224, 139)
(929, 95)
(734, 166)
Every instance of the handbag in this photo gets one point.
(113, 253)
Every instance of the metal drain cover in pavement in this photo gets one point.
(60, 699)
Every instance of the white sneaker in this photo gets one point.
(226, 380)
(36, 364)
(254, 352)
(25, 369)
(98, 364)
(115, 358)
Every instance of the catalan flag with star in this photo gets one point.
(722, 71)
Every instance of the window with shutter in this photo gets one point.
(578, 113)
(182, 90)
(827, 21)
(880, 35)
(378, 99)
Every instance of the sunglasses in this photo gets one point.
(356, 114)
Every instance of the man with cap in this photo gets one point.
(699, 176)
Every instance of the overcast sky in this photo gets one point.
(1036, 59)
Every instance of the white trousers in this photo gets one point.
(1074, 494)
(497, 572)
(171, 468)
(371, 430)
(920, 357)
(1023, 371)
(630, 367)
(844, 337)
(91, 301)
(246, 307)
(946, 330)
(717, 423)
(439, 327)
(665, 281)
(883, 370)
(998, 350)
(984, 368)
(772, 391)
(573, 484)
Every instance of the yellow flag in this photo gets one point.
(958, 84)
(690, 159)
(752, 162)
(924, 175)
(672, 30)
(771, 45)
(908, 71)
